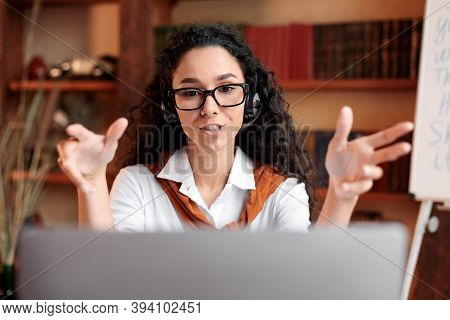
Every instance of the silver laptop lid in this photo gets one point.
(363, 262)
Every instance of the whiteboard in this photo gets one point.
(430, 167)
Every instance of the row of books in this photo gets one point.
(377, 49)
(395, 174)
(286, 50)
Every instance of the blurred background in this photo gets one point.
(305, 42)
(325, 54)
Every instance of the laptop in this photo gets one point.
(362, 262)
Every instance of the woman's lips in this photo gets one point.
(211, 132)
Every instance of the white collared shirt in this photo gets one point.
(139, 204)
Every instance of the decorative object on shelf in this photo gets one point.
(36, 68)
(55, 71)
(106, 68)
(77, 68)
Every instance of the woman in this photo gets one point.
(213, 146)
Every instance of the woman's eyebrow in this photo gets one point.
(218, 78)
(189, 80)
(225, 76)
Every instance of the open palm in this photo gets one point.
(86, 153)
(352, 166)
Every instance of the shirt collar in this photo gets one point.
(241, 174)
(178, 168)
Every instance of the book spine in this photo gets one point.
(376, 50)
(317, 30)
(385, 50)
(340, 66)
(393, 49)
(359, 49)
(308, 49)
(367, 50)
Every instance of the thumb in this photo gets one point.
(115, 131)
(343, 125)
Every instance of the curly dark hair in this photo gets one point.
(271, 139)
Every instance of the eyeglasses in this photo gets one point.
(227, 95)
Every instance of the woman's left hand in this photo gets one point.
(352, 166)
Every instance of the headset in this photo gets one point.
(252, 107)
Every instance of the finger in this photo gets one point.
(79, 131)
(357, 187)
(117, 128)
(371, 172)
(114, 133)
(66, 147)
(389, 135)
(74, 175)
(60, 149)
(343, 125)
(391, 153)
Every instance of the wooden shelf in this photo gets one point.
(350, 84)
(102, 85)
(73, 85)
(76, 2)
(374, 196)
(58, 2)
(61, 178)
(52, 177)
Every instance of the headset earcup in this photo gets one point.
(256, 103)
(252, 107)
(168, 116)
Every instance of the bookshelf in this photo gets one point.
(373, 196)
(59, 2)
(350, 84)
(287, 85)
(74, 85)
(137, 23)
(61, 178)
(50, 178)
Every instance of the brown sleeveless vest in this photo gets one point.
(266, 182)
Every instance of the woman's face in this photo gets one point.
(208, 68)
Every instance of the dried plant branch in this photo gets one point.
(24, 152)
(22, 144)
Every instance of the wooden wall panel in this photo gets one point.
(11, 53)
(136, 51)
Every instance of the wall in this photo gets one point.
(67, 31)
(287, 11)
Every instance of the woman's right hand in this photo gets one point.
(84, 155)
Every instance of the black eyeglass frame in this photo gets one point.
(212, 92)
